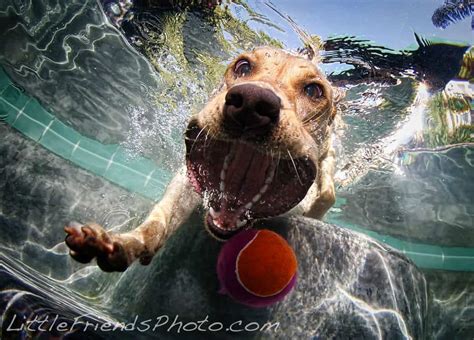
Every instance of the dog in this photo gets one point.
(260, 147)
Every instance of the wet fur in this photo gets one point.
(295, 136)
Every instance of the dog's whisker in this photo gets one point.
(197, 137)
(278, 162)
(206, 139)
(209, 140)
(274, 164)
(315, 126)
(294, 165)
(276, 159)
(314, 118)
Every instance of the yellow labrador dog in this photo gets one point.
(261, 147)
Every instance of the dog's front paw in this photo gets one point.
(92, 241)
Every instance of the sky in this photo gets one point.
(390, 23)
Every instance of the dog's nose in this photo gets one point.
(251, 108)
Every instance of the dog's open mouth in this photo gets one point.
(240, 183)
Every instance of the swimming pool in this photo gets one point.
(95, 96)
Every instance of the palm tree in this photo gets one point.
(452, 11)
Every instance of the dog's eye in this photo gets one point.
(313, 91)
(242, 67)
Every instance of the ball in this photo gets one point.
(257, 268)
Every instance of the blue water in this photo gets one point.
(405, 161)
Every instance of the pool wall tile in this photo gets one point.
(154, 189)
(162, 176)
(460, 259)
(104, 151)
(15, 97)
(57, 140)
(37, 112)
(119, 173)
(458, 264)
(142, 166)
(7, 113)
(89, 160)
(29, 127)
(70, 136)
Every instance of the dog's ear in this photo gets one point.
(312, 45)
(338, 94)
(218, 89)
(306, 52)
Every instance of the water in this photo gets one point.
(131, 76)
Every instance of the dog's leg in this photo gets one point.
(115, 252)
(321, 196)
(327, 194)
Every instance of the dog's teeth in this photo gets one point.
(217, 224)
(249, 205)
(241, 223)
(213, 213)
(226, 162)
(222, 175)
(256, 198)
(270, 176)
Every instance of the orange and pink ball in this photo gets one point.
(257, 268)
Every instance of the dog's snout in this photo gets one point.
(251, 108)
